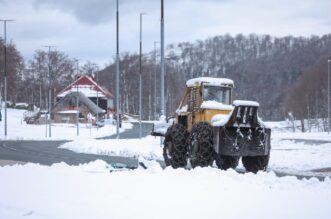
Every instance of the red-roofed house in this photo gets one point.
(88, 87)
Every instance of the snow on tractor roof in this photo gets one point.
(245, 103)
(208, 80)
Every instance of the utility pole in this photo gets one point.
(329, 95)
(49, 91)
(155, 70)
(163, 110)
(97, 98)
(117, 74)
(77, 97)
(5, 70)
(140, 76)
(40, 84)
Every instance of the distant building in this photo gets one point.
(93, 100)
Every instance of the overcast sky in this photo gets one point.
(85, 29)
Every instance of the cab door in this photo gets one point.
(193, 107)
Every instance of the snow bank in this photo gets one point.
(210, 81)
(148, 148)
(91, 191)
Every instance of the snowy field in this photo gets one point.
(92, 191)
(97, 190)
(17, 129)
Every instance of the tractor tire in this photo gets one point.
(200, 144)
(175, 149)
(225, 162)
(256, 163)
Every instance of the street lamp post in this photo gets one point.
(163, 110)
(5, 70)
(117, 74)
(140, 76)
(162, 105)
(77, 98)
(97, 98)
(155, 70)
(329, 95)
(49, 92)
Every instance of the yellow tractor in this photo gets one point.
(209, 126)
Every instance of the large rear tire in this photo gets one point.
(225, 162)
(200, 144)
(256, 163)
(175, 149)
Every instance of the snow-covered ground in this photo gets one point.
(297, 152)
(300, 158)
(17, 129)
(147, 148)
(96, 190)
(92, 191)
(287, 156)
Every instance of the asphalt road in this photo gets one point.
(146, 129)
(48, 153)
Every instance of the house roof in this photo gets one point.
(88, 87)
(71, 98)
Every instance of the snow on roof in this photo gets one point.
(183, 109)
(87, 90)
(212, 104)
(22, 104)
(220, 119)
(245, 103)
(90, 86)
(67, 112)
(210, 81)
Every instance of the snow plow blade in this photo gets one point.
(244, 134)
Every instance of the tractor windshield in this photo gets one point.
(219, 94)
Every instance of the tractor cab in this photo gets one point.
(204, 98)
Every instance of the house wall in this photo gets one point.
(59, 117)
(110, 103)
(64, 118)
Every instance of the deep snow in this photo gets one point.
(91, 191)
(96, 190)
(148, 147)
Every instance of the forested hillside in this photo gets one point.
(274, 71)
(264, 69)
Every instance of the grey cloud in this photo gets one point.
(89, 12)
(100, 11)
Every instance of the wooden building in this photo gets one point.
(94, 101)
